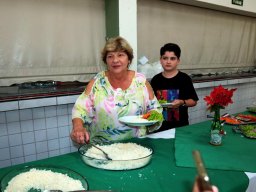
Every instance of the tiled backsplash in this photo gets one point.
(35, 133)
(28, 134)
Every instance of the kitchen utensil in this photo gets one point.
(203, 178)
(105, 154)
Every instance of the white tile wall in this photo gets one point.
(52, 133)
(29, 158)
(28, 137)
(15, 139)
(50, 111)
(38, 113)
(12, 116)
(4, 141)
(67, 99)
(13, 127)
(29, 149)
(3, 129)
(25, 114)
(18, 160)
(16, 151)
(40, 129)
(2, 117)
(41, 147)
(5, 154)
(51, 122)
(54, 153)
(24, 104)
(7, 106)
(34, 133)
(26, 125)
(43, 155)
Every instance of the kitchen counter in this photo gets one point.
(197, 78)
(43, 94)
(24, 91)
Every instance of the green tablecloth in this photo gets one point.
(236, 152)
(160, 175)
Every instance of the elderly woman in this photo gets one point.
(112, 94)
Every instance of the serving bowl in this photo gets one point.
(28, 183)
(124, 155)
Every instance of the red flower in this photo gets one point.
(219, 98)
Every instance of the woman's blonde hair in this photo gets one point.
(117, 44)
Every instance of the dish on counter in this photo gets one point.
(135, 156)
(136, 121)
(246, 118)
(231, 120)
(248, 130)
(251, 109)
(40, 178)
(239, 119)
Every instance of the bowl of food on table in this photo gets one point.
(36, 178)
(123, 155)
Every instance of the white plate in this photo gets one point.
(166, 104)
(136, 121)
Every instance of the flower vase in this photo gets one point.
(216, 129)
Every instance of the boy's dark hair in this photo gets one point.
(171, 47)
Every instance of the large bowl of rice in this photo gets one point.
(42, 177)
(124, 155)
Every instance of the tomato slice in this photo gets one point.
(146, 115)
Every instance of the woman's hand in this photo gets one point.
(79, 134)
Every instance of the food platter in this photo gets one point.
(247, 118)
(136, 121)
(240, 119)
(231, 121)
(29, 178)
(248, 130)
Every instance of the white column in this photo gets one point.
(128, 25)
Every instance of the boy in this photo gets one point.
(173, 88)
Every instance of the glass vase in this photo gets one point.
(216, 128)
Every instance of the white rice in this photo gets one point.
(123, 155)
(42, 180)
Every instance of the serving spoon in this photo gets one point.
(105, 154)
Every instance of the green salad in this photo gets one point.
(155, 116)
(248, 130)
